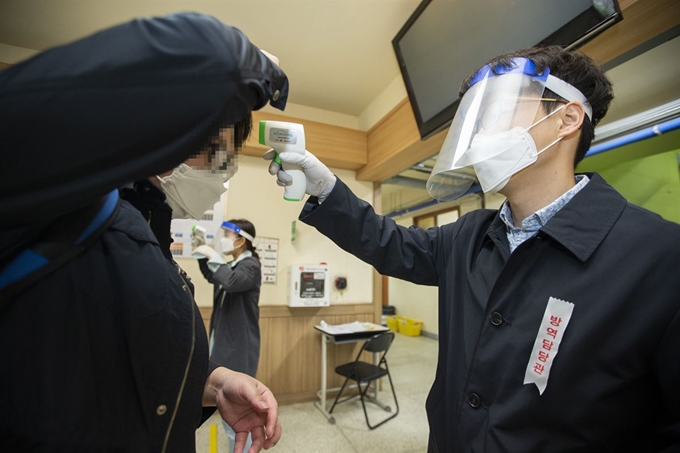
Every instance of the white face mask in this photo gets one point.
(227, 245)
(499, 156)
(190, 192)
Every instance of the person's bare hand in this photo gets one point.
(248, 406)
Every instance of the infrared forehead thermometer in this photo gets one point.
(287, 137)
(197, 236)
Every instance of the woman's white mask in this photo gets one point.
(191, 192)
(227, 245)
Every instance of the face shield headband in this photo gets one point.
(496, 102)
(237, 229)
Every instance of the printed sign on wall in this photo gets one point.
(268, 249)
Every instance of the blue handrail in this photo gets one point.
(636, 136)
(643, 134)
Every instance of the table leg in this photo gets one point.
(322, 394)
(324, 368)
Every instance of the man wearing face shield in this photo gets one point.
(101, 341)
(559, 316)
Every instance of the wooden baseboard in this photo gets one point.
(431, 335)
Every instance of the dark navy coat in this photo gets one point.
(126, 103)
(615, 384)
(106, 353)
(235, 319)
(106, 350)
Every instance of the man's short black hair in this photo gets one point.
(575, 68)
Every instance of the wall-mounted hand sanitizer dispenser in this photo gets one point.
(310, 286)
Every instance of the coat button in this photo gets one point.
(160, 410)
(496, 318)
(474, 400)
(276, 95)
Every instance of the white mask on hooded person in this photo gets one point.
(498, 156)
(191, 192)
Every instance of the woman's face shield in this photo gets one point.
(237, 230)
(494, 103)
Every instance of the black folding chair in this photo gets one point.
(365, 373)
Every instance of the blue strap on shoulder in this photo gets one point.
(29, 261)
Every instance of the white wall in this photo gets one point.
(13, 54)
(254, 195)
(389, 98)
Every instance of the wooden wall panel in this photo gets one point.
(290, 353)
(394, 143)
(642, 21)
(390, 158)
(397, 131)
(290, 348)
(335, 146)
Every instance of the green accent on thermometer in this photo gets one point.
(262, 127)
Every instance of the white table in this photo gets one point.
(329, 335)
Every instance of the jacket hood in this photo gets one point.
(121, 105)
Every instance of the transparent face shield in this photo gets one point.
(495, 103)
(217, 240)
(229, 234)
(237, 229)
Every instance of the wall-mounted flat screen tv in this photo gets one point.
(445, 40)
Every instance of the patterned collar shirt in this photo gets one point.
(533, 223)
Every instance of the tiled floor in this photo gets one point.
(412, 362)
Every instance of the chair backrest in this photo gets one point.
(378, 343)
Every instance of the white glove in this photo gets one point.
(215, 260)
(273, 58)
(320, 180)
(205, 251)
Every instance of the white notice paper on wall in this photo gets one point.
(267, 249)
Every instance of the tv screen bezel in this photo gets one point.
(443, 119)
